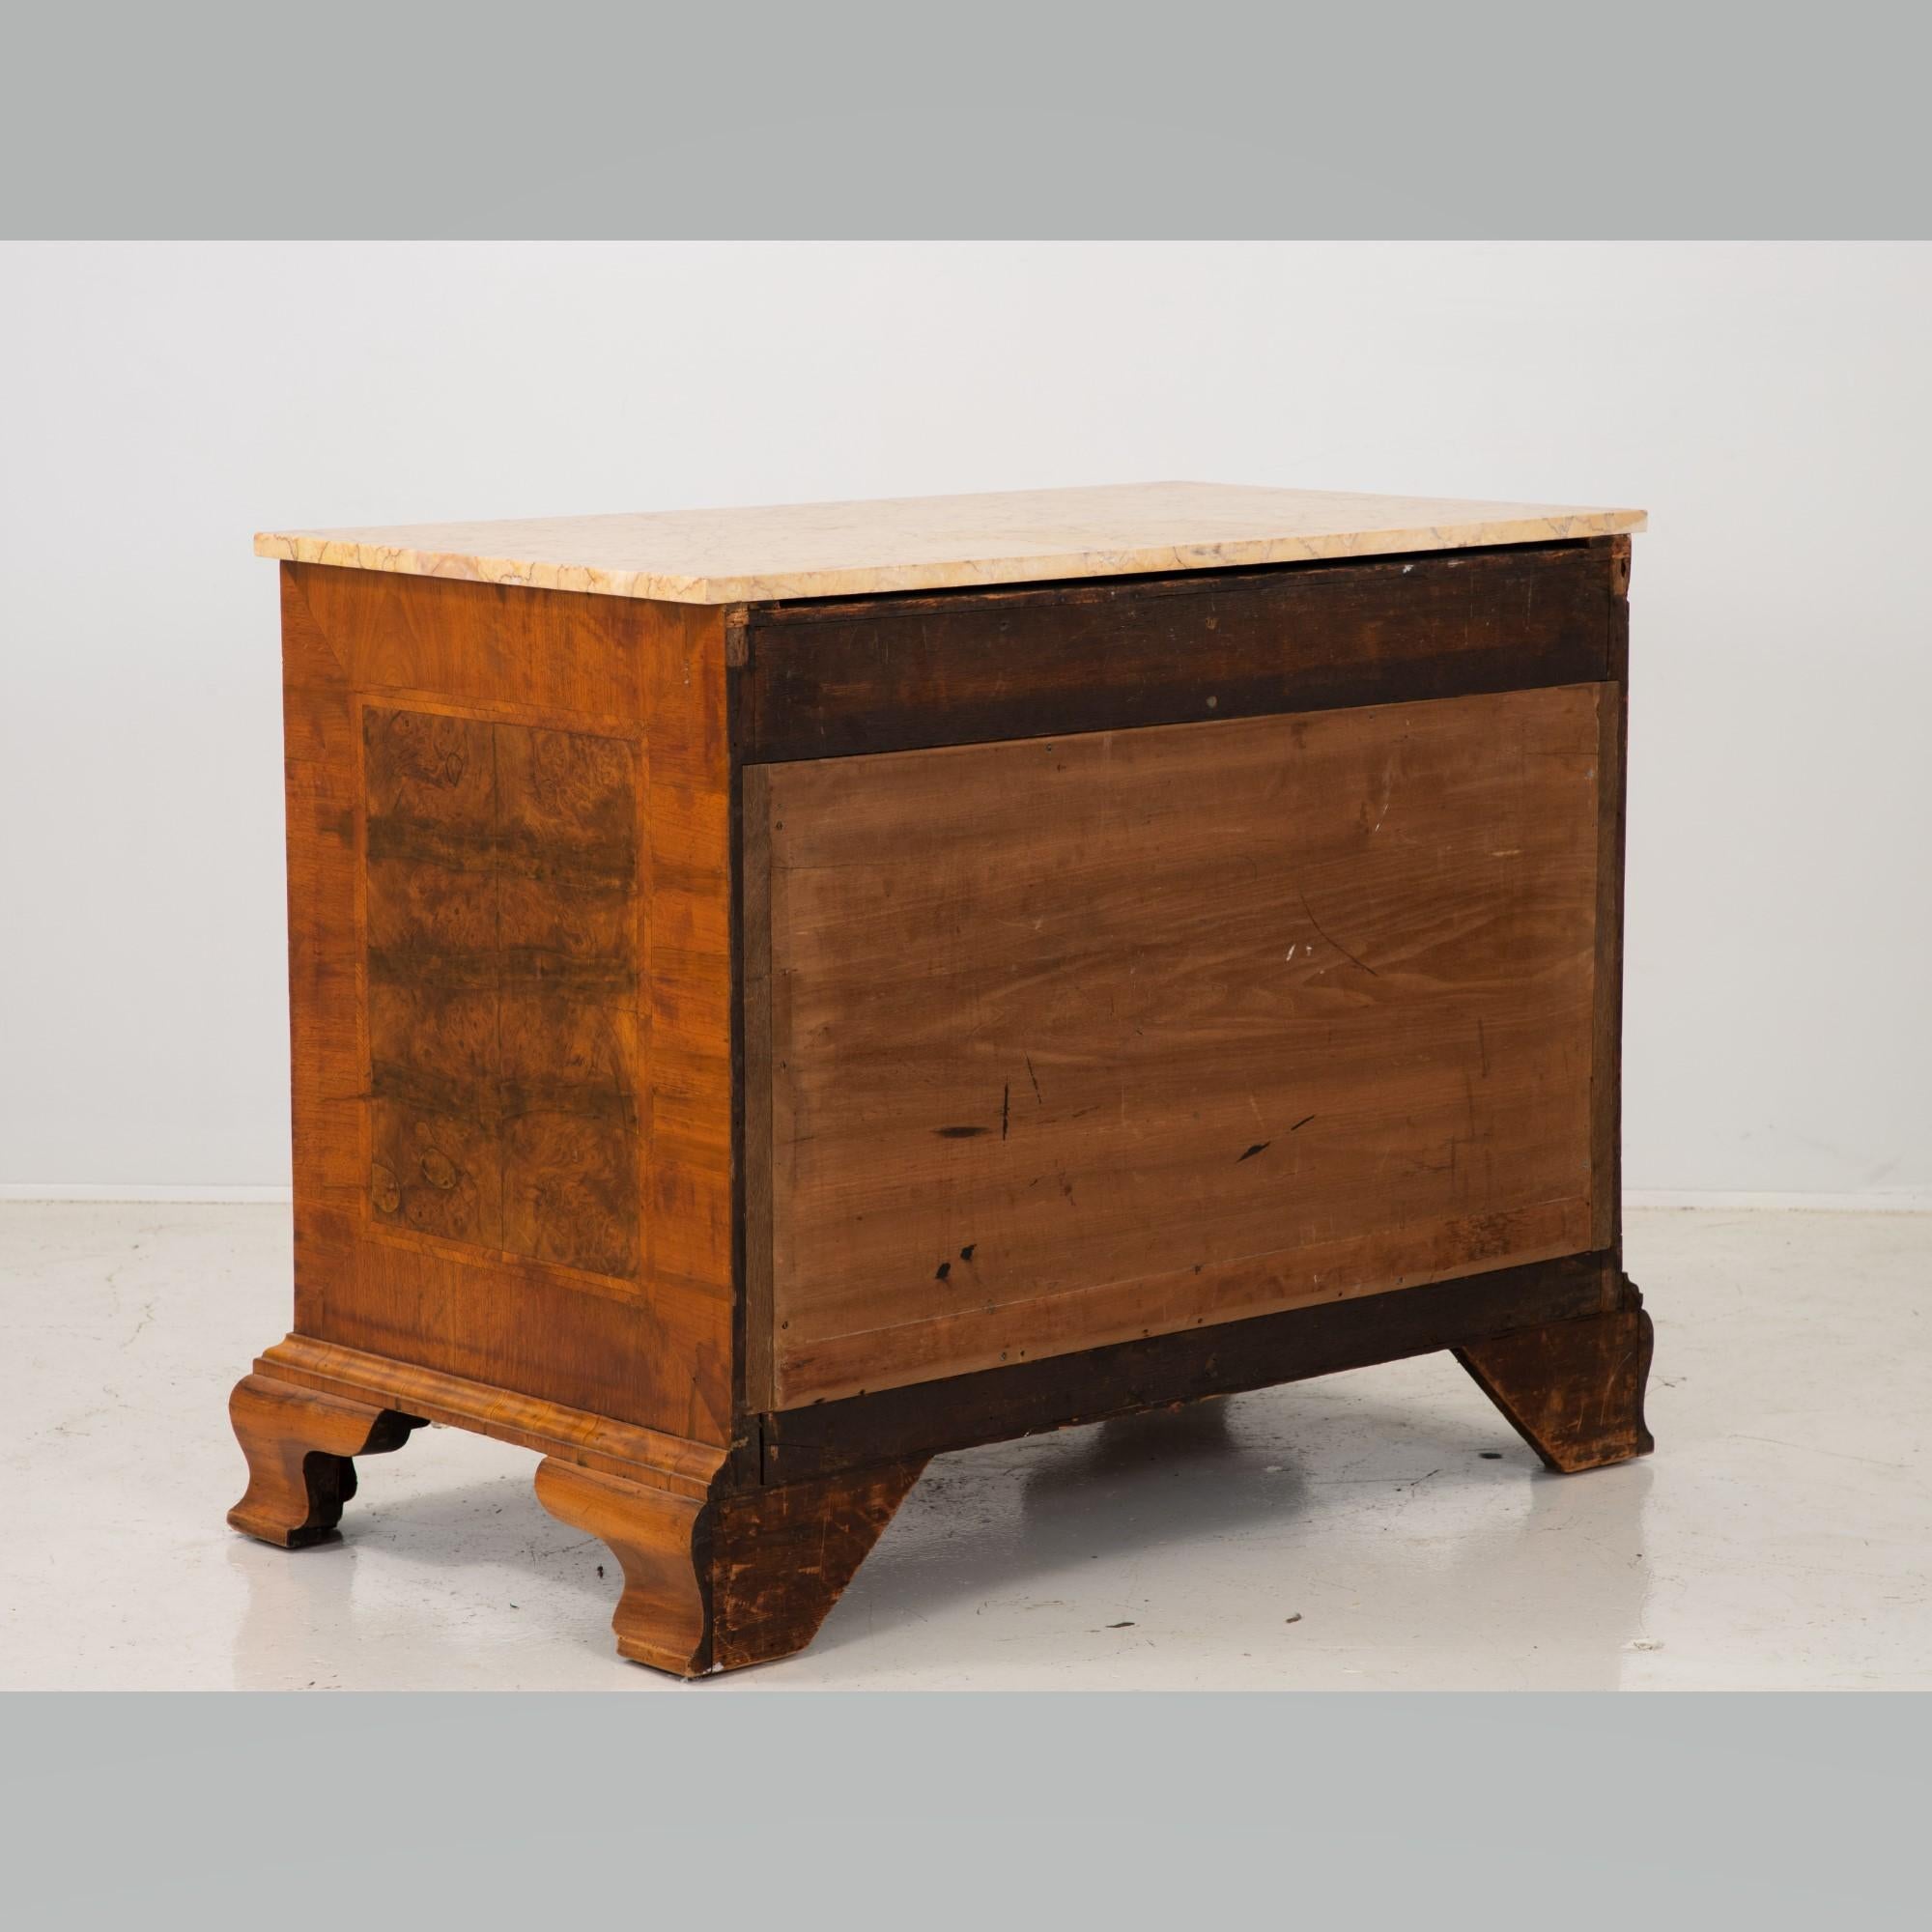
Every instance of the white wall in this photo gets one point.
(1770, 404)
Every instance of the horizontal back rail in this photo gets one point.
(900, 673)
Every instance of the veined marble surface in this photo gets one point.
(937, 543)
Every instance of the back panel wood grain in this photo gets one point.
(1075, 1041)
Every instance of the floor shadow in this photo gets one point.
(1155, 1481)
(1262, 1469)
(342, 1603)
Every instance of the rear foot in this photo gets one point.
(1572, 1390)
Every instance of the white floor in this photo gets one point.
(1376, 1530)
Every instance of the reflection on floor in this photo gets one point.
(1381, 1529)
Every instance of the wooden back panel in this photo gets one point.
(1073, 1040)
(510, 962)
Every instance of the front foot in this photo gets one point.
(300, 1447)
(1572, 1390)
(663, 1615)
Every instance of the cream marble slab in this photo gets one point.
(937, 543)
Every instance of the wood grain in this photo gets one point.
(1572, 1390)
(1162, 1371)
(1606, 1064)
(644, 1456)
(745, 1579)
(741, 1052)
(755, 1086)
(1077, 1040)
(603, 720)
(782, 1557)
(899, 674)
(663, 1616)
(300, 1447)
(502, 1005)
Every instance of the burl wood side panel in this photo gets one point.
(510, 966)
(1083, 1039)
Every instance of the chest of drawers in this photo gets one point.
(779, 994)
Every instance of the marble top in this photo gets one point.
(937, 543)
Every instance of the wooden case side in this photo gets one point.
(646, 1338)
(759, 1095)
(1607, 1055)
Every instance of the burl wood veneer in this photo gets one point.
(754, 1027)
